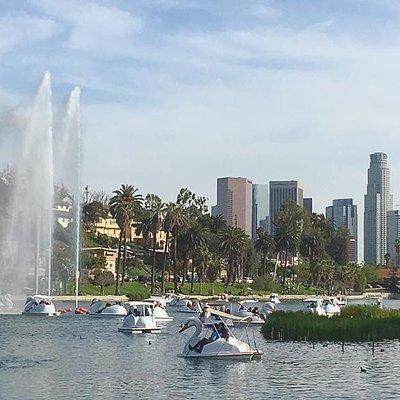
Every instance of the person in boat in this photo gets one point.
(198, 347)
(102, 309)
(223, 332)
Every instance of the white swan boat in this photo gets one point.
(273, 298)
(209, 319)
(159, 310)
(223, 345)
(6, 303)
(178, 301)
(105, 310)
(242, 310)
(140, 318)
(40, 305)
(323, 306)
(189, 307)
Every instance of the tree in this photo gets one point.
(124, 205)
(264, 244)
(338, 246)
(288, 227)
(91, 213)
(168, 225)
(179, 221)
(102, 277)
(232, 241)
(317, 231)
(397, 247)
(156, 209)
(192, 238)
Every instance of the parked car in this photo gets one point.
(248, 279)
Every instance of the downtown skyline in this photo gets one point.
(358, 223)
(238, 93)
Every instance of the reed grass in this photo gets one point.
(355, 324)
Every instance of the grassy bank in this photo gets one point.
(355, 324)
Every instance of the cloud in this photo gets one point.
(102, 31)
(23, 29)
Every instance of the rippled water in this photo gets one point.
(81, 357)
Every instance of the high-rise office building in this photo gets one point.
(307, 204)
(234, 202)
(343, 213)
(377, 202)
(280, 192)
(393, 233)
(260, 208)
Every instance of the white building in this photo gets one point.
(377, 202)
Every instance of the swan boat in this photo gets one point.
(40, 305)
(209, 320)
(189, 307)
(6, 303)
(323, 306)
(140, 318)
(221, 347)
(240, 310)
(99, 309)
(159, 310)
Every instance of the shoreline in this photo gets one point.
(288, 297)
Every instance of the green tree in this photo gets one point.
(264, 244)
(338, 246)
(397, 247)
(232, 241)
(156, 208)
(124, 206)
(102, 277)
(192, 238)
(288, 228)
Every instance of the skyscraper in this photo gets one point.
(281, 192)
(234, 202)
(343, 213)
(307, 204)
(377, 202)
(260, 207)
(393, 233)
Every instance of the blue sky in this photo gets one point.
(177, 93)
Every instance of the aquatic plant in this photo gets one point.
(355, 324)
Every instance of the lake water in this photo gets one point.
(80, 357)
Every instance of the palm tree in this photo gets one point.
(264, 245)
(124, 206)
(387, 259)
(156, 208)
(178, 221)
(167, 227)
(288, 226)
(194, 236)
(232, 241)
(218, 223)
(143, 228)
(397, 247)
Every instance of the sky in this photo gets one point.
(178, 93)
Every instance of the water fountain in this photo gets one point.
(68, 165)
(44, 158)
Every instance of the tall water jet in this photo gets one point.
(68, 166)
(27, 247)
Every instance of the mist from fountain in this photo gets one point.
(46, 156)
(68, 164)
(27, 246)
